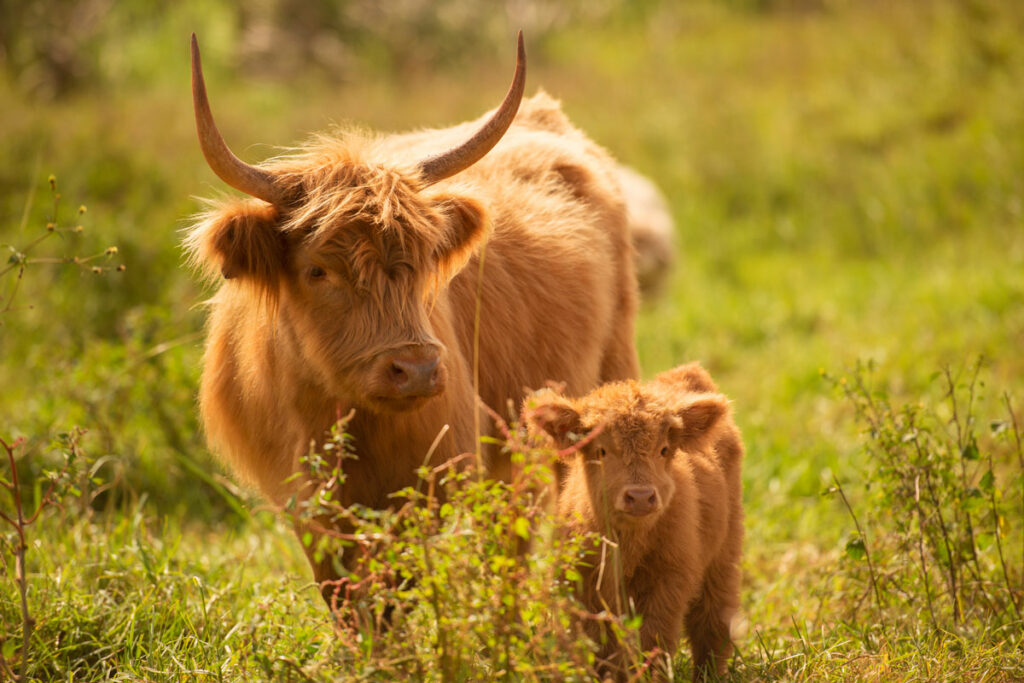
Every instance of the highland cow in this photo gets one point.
(380, 273)
(660, 478)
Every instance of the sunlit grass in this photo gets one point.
(847, 184)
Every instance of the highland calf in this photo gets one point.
(356, 279)
(660, 477)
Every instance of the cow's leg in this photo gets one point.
(620, 361)
(325, 567)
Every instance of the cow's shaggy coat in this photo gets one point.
(661, 479)
(366, 278)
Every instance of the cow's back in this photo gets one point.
(558, 293)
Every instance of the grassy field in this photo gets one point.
(848, 184)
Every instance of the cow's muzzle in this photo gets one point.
(411, 372)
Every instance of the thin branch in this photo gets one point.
(999, 543)
(920, 549)
(867, 551)
(20, 576)
(1020, 460)
(963, 440)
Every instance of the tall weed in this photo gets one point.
(464, 578)
(944, 503)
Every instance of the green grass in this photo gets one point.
(848, 184)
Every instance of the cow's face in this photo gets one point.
(352, 277)
(628, 465)
(348, 251)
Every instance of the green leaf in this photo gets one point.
(970, 452)
(973, 501)
(307, 539)
(10, 646)
(987, 482)
(522, 528)
(855, 548)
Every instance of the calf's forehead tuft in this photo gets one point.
(629, 413)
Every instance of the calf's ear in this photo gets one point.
(242, 242)
(555, 415)
(465, 225)
(696, 420)
(689, 377)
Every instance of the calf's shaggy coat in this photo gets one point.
(661, 478)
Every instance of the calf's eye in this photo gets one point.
(664, 451)
(599, 452)
(316, 272)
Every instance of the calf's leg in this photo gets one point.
(709, 618)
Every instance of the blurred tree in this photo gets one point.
(49, 47)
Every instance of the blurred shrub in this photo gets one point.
(53, 47)
(129, 385)
(289, 36)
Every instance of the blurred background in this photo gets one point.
(846, 177)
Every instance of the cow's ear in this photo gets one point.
(696, 419)
(556, 416)
(465, 225)
(241, 242)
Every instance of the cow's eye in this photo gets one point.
(664, 451)
(316, 272)
(599, 452)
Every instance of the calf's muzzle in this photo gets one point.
(638, 501)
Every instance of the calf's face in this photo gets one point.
(628, 466)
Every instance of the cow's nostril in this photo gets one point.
(398, 375)
(414, 376)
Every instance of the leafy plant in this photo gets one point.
(464, 578)
(19, 514)
(30, 498)
(23, 257)
(946, 502)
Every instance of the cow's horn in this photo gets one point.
(468, 153)
(229, 168)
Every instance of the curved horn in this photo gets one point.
(468, 153)
(229, 168)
